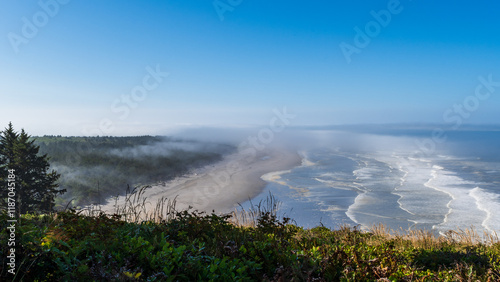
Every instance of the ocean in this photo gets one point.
(424, 178)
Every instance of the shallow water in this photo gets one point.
(391, 182)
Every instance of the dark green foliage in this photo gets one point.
(200, 247)
(35, 186)
(442, 258)
(95, 168)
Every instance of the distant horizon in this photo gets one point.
(360, 127)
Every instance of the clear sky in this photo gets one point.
(141, 67)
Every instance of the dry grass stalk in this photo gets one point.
(250, 217)
(426, 239)
(135, 210)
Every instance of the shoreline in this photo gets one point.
(218, 187)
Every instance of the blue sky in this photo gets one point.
(75, 69)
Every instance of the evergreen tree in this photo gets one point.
(7, 140)
(36, 187)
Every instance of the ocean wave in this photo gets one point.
(463, 210)
(396, 189)
(489, 203)
(274, 176)
(341, 185)
(352, 210)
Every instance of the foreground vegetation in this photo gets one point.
(137, 244)
(191, 246)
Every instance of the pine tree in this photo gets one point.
(36, 186)
(7, 141)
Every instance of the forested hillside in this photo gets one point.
(94, 168)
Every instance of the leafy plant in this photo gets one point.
(193, 246)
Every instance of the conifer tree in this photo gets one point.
(36, 186)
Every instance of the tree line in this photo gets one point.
(56, 171)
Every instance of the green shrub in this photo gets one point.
(195, 246)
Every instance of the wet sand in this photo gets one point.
(221, 186)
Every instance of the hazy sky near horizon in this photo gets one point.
(142, 67)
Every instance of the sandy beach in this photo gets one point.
(221, 186)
